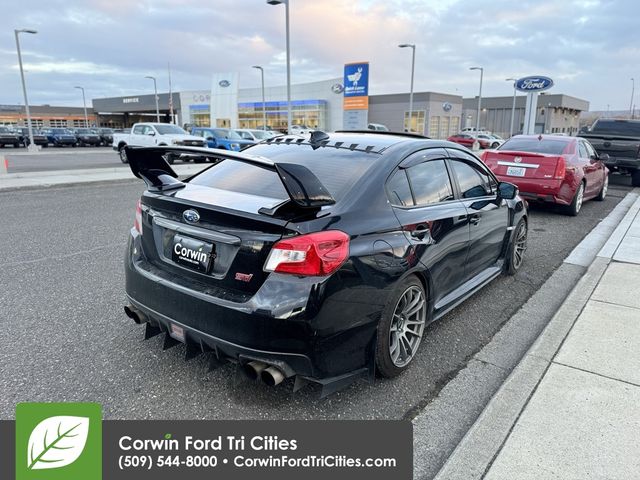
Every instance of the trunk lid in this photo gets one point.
(237, 241)
(517, 164)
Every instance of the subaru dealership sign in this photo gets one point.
(534, 84)
(356, 80)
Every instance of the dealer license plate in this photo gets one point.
(516, 171)
(192, 253)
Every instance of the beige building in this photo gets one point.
(557, 113)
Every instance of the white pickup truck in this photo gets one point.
(154, 134)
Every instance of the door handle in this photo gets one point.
(474, 219)
(420, 231)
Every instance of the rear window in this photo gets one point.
(613, 127)
(336, 169)
(546, 145)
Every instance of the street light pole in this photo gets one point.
(84, 104)
(155, 89)
(633, 87)
(413, 63)
(476, 145)
(32, 146)
(264, 104)
(513, 105)
(286, 5)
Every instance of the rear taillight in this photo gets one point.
(137, 222)
(561, 169)
(319, 253)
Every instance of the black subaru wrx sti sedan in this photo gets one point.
(320, 258)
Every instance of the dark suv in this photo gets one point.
(320, 258)
(620, 141)
(9, 137)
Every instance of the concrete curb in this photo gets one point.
(477, 450)
(13, 181)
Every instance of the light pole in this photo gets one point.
(633, 87)
(476, 145)
(32, 146)
(513, 105)
(264, 104)
(84, 104)
(286, 5)
(155, 89)
(413, 63)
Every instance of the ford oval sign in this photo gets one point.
(191, 216)
(534, 84)
(224, 83)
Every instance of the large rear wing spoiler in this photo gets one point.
(151, 165)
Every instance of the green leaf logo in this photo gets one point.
(57, 442)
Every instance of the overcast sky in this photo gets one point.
(591, 48)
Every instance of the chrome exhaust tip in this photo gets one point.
(134, 314)
(271, 376)
(253, 369)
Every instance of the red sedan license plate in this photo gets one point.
(516, 171)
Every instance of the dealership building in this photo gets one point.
(45, 116)
(322, 105)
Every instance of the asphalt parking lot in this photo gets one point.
(64, 336)
(60, 158)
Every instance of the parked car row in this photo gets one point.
(163, 134)
(485, 139)
(58, 137)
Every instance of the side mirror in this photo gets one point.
(151, 133)
(604, 157)
(209, 138)
(507, 190)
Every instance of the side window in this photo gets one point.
(591, 153)
(430, 182)
(473, 182)
(398, 189)
(138, 129)
(583, 150)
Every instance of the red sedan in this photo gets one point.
(467, 140)
(550, 168)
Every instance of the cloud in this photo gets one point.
(108, 46)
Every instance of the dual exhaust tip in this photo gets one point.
(269, 375)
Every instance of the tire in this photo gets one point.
(603, 191)
(25, 143)
(123, 155)
(576, 204)
(635, 178)
(517, 247)
(401, 327)
(16, 145)
(45, 145)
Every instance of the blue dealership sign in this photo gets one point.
(356, 80)
(534, 84)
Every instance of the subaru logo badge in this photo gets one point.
(224, 83)
(517, 160)
(191, 216)
(337, 88)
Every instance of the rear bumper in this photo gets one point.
(290, 322)
(543, 190)
(615, 163)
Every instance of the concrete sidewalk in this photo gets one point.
(571, 408)
(11, 181)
